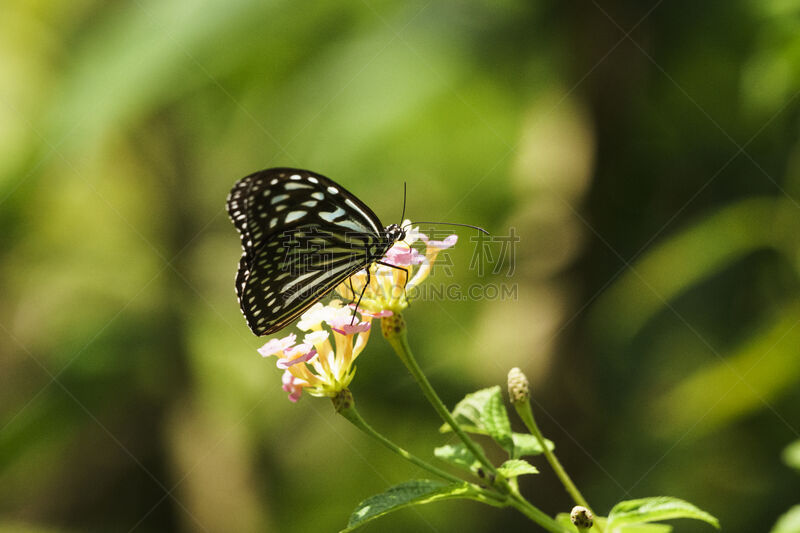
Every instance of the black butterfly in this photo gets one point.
(302, 235)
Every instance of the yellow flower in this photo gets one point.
(320, 365)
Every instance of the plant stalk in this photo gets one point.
(526, 414)
(354, 417)
(399, 342)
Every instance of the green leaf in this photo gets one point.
(415, 492)
(789, 522)
(469, 411)
(497, 423)
(516, 467)
(482, 412)
(645, 528)
(791, 455)
(527, 444)
(459, 455)
(654, 509)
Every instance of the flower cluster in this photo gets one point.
(387, 291)
(322, 363)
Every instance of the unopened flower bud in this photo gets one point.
(393, 325)
(517, 386)
(581, 517)
(343, 400)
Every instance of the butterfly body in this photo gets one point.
(302, 235)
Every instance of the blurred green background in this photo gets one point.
(645, 152)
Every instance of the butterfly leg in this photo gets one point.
(398, 268)
(359, 296)
(352, 289)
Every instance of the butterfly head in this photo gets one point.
(395, 233)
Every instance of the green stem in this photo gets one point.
(394, 331)
(526, 414)
(526, 508)
(353, 416)
(489, 497)
(399, 342)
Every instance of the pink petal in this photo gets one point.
(286, 362)
(383, 313)
(402, 256)
(448, 242)
(299, 349)
(277, 346)
(291, 386)
(358, 327)
(342, 325)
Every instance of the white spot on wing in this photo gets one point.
(295, 215)
(352, 204)
(295, 186)
(331, 216)
(353, 225)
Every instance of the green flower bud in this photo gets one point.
(517, 386)
(581, 517)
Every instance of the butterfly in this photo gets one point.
(302, 235)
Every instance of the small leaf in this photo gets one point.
(791, 455)
(415, 492)
(654, 509)
(482, 412)
(789, 522)
(516, 467)
(495, 418)
(457, 454)
(526, 444)
(469, 411)
(645, 528)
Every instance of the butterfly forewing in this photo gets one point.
(302, 235)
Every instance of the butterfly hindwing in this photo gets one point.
(302, 235)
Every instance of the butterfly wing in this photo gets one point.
(295, 269)
(302, 234)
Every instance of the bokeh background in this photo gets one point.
(646, 154)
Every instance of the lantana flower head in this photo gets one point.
(322, 364)
(388, 288)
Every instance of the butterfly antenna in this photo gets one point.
(403, 216)
(453, 224)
